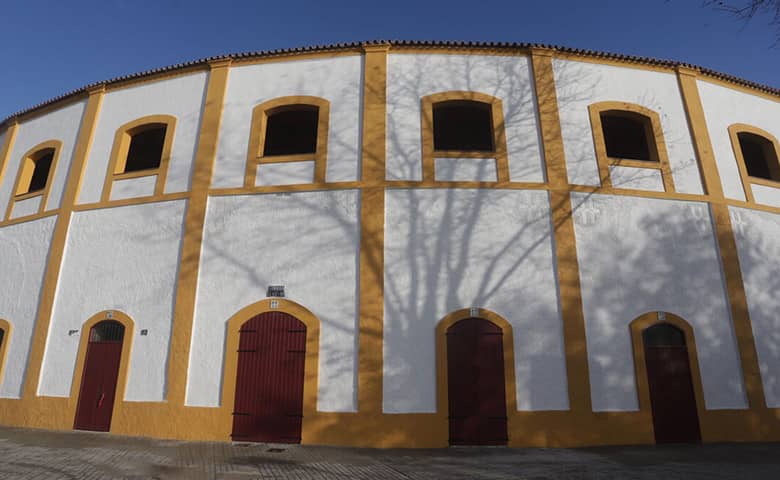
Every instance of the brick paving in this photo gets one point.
(39, 455)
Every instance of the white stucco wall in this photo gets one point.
(758, 247)
(309, 242)
(338, 80)
(451, 249)
(62, 125)
(508, 78)
(181, 97)
(133, 187)
(466, 169)
(724, 107)
(636, 178)
(639, 255)
(24, 249)
(580, 84)
(286, 173)
(29, 206)
(122, 259)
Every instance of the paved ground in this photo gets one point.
(38, 455)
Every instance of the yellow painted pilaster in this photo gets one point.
(187, 281)
(372, 225)
(728, 253)
(563, 225)
(59, 238)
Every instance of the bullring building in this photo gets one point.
(412, 244)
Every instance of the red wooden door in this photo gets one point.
(475, 379)
(98, 382)
(269, 380)
(673, 403)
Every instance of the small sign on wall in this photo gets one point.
(275, 291)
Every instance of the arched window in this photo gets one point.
(288, 141)
(466, 127)
(628, 135)
(663, 335)
(756, 152)
(33, 181)
(142, 148)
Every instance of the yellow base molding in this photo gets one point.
(423, 430)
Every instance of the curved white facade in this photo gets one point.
(383, 251)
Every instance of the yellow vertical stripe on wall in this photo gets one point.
(59, 238)
(372, 225)
(187, 280)
(5, 151)
(563, 230)
(726, 240)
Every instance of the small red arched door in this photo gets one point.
(475, 379)
(269, 379)
(673, 403)
(98, 382)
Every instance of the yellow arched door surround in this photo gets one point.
(442, 387)
(124, 362)
(638, 326)
(311, 362)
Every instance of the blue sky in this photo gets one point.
(50, 47)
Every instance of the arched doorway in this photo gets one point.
(99, 378)
(672, 398)
(475, 383)
(269, 379)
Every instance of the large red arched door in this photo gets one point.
(98, 382)
(673, 403)
(475, 379)
(269, 379)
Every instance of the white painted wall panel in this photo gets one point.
(452, 249)
(580, 84)
(181, 97)
(309, 242)
(758, 247)
(124, 259)
(26, 207)
(766, 195)
(62, 125)
(636, 178)
(724, 107)
(466, 169)
(287, 173)
(24, 249)
(133, 187)
(411, 77)
(641, 255)
(338, 80)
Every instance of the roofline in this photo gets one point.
(508, 46)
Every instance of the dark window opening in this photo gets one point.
(40, 175)
(2, 335)
(291, 131)
(663, 334)
(760, 156)
(626, 136)
(107, 331)
(463, 125)
(146, 146)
